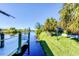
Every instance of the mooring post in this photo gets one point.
(28, 41)
(19, 42)
(1, 40)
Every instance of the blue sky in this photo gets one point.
(27, 15)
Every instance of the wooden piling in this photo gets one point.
(1, 40)
(19, 42)
(29, 41)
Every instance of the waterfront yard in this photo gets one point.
(61, 46)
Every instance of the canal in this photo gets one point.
(35, 47)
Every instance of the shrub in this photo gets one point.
(65, 32)
(38, 31)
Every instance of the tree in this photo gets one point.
(39, 29)
(12, 31)
(50, 24)
(66, 15)
(69, 17)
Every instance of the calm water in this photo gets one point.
(35, 47)
(11, 45)
(11, 36)
(7, 36)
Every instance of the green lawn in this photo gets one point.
(62, 47)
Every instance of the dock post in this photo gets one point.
(19, 42)
(1, 40)
(29, 41)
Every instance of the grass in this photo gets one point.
(62, 46)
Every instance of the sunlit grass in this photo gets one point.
(62, 46)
